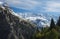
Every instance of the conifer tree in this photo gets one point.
(58, 22)
(52, 24)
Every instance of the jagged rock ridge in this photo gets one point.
(12, 27)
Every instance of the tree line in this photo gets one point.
(52, 32)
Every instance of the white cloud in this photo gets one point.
(1, 2)
(36, 5)
(26, 4)
(52, 7)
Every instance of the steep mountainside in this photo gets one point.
(13, 27)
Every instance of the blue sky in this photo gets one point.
(35, 5)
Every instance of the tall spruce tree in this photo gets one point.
(52, 24)
(58, 22)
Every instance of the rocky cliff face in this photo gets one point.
(13, 27)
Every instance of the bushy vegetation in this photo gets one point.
(52, 32)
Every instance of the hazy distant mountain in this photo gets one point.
(40, 19)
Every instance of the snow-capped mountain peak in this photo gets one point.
(39, 19)
(34, 18)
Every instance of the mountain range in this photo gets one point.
(40, 19)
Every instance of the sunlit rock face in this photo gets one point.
(13, 27)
